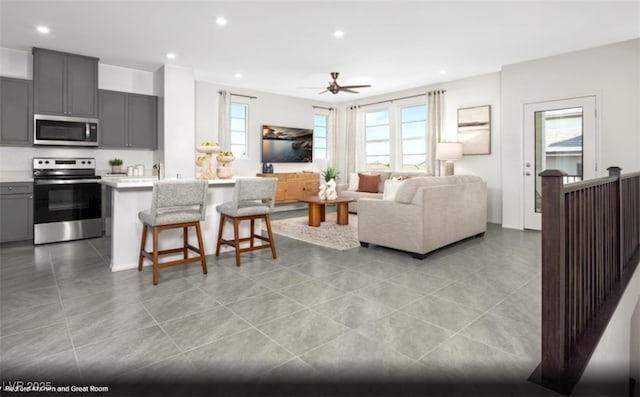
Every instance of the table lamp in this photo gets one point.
(448, 152)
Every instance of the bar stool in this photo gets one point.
(175, 204)
(253, 198)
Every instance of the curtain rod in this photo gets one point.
(322, 107)
(240, 95)
(398, 99)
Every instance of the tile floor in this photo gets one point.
(468, 311)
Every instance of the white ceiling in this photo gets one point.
(285, 46)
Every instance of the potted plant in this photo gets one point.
(330, 173)
(116, 165)
(225, 158)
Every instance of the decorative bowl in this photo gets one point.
(208, 149)
(225, 159)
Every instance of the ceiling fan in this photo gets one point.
(335, 88)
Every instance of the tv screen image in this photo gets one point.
(286, 144)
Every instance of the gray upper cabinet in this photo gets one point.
(65, 84)
(143, 121)
(128, 120)
(16, 112)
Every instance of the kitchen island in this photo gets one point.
(125, 197)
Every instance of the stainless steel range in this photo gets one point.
(67, 200)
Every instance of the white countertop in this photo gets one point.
(15, 179)
(147, 182)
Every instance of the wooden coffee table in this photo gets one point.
(317, 209)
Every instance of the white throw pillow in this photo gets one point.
(391, 187)
(354, 180)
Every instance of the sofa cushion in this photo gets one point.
(353, 181)
(368, 183)
(391, 187)
(408, 190)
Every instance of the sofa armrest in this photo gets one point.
(453, 212)
(390, 224)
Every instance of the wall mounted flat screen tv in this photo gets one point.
(286, 144)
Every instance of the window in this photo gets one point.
(396, 138)
(320, 136)
(413, 127)
(377, 140)
(239, 128)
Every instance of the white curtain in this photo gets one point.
(224, 117)
(354, 149)
(435, 131)
(332, 123)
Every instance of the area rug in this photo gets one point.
(328, 234)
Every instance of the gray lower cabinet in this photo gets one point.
(16, 112)
(128, 120)
(65, 84)
(16, 211)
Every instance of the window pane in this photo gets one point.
(320, 153)
(378, 162)
(238, 111)
(320, 132)
(377, 118)
(414, 146)
(320, 120)
(238, 138)
(414, 162)
(320, 143)
(414, 113)
(238, 125)
(238, 150)
(416, 129)
(375, 133)
(377, 148)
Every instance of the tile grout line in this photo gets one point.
(66, 319)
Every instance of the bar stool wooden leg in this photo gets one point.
(253, 227)
(267, 219)
(201, 247)
(185, 241)
(143, 244)
(220, 228)
(155, 255)
(236, 239)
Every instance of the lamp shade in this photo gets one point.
(448, 151)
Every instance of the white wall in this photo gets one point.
(611, 73)
(265, 109)
(610, 361)
(19, 64)
(179, 121)
(474, 91)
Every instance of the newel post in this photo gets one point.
(553, 276)
(616, 172)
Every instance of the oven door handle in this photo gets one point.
(65, 181)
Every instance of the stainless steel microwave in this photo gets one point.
(64, 131)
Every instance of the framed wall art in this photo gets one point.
(474, 129)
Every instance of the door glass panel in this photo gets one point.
(558, 143)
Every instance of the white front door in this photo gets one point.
(557, 135)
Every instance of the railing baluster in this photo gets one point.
(590, 244)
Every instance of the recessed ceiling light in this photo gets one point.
(42, 29)
(171, 55)
(221, 21)
(338, 34)
(238, 75)
(442, 71)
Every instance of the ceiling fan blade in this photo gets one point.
(357, 86)
(346, 89)
(322, 92)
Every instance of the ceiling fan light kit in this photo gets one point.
(335, 88)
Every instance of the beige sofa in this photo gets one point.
(426, 214)
(352, 193)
